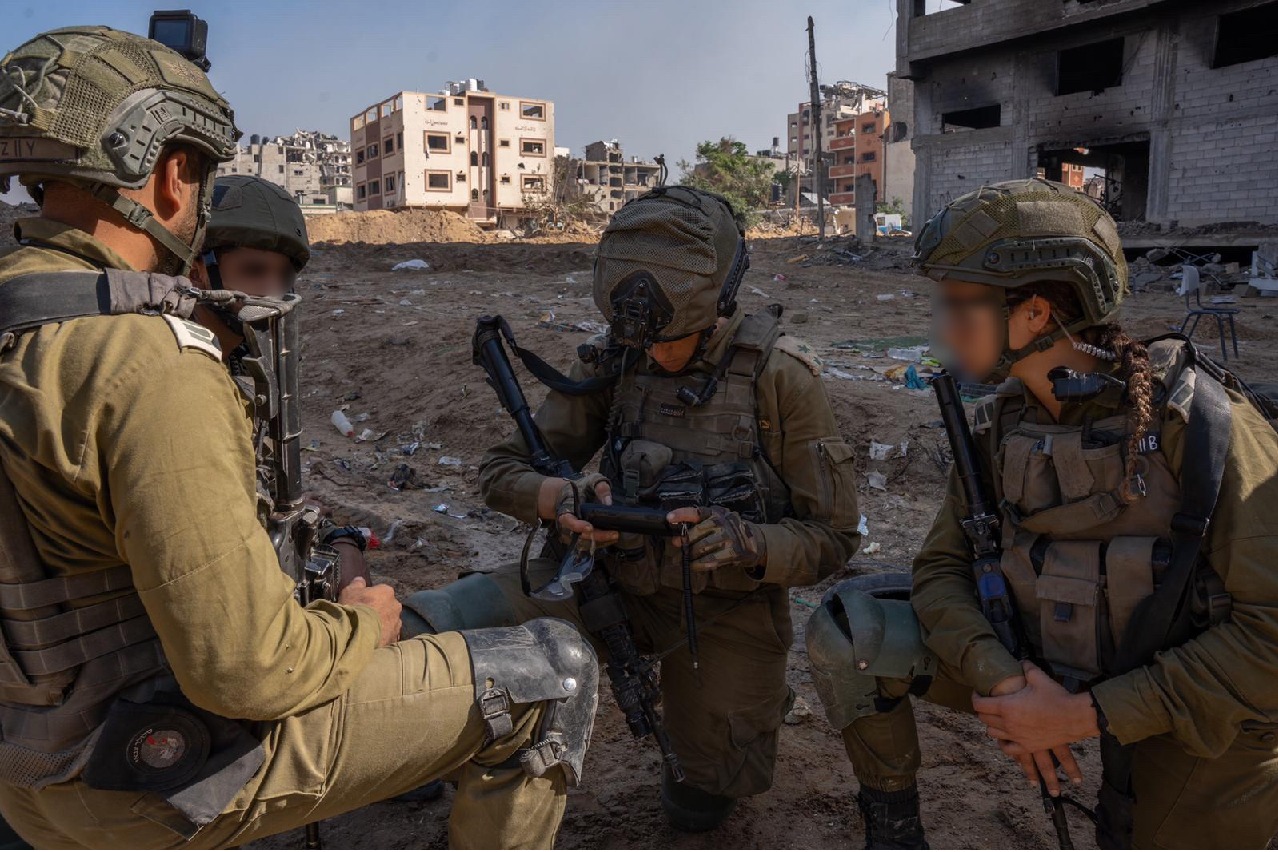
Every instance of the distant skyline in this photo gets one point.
(659, 75)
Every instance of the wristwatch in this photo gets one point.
(354, 534)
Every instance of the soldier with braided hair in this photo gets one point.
(1133, 485)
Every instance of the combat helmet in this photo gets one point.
(255, 213)
(96, 107)
(669, 265)
(1020, 232)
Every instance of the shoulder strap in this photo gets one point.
(752, 343)
(1165, 618)
(41, 298)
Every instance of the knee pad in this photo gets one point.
(472, 602)
(854, 638)
(544, 661)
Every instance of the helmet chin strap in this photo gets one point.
(1003, 369)
(182, 254)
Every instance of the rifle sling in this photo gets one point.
(549, 376)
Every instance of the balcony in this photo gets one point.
(840, 142)
(848, 170)
(843, 199)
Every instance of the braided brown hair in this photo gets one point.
(1133, 364)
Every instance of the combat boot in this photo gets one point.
(892, 820)
(691, 810)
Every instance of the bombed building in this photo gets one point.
(1170, 108)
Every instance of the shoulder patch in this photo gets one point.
(192, 335)
(804, 353)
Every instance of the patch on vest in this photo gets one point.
(796, 348)
(670, 410)
(1150, 443)
(192, 335)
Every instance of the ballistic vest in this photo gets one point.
(666, 448)
(1077, 557)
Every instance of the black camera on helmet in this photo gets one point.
(183, 31)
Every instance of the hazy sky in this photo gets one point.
(660, 75)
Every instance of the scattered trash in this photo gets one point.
(880, 452)
(568, 279)
(417, 293)
(403, 478)
(362, 417)
(394, 528)
(342, 423)
(450, 461)
(885, 297)
(441, 509)
(410, 449)
(405, 303)
(913, 382)
(415, 263)
(910, 353)
(905, 447)
(374, 543)
(339, 311)
(798, 258)
(756, 291)
(591, 327)
(877, 480)
(872, 548)
(351, 396)
(800, 711)
(366, 435)
(863, 528)
(779, 278)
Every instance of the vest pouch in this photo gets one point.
(1129, 577)
(734, 486)
(641, 465)
(1018, 565)
(1068, 592)
(1029, 477)
(1059, 486)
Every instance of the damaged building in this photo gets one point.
(1166, 110)
(608, 180)
(314, 167)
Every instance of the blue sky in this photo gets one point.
(660, 75)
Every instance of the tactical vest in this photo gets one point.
(81, 668)
(665, 450)
(1077, 559)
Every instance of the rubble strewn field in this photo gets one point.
(393, 348)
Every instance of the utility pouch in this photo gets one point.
(196, 761)
(1129, 577)
(1068, 592)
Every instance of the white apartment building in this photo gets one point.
(464, 149)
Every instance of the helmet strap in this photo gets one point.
(1010, 356)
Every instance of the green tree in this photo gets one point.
(727, 168)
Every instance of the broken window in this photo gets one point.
(977, 118)
(372, 151)
(534, 183)
(532, 147)
(437, 142)
(439, 181)
(1246, 36)
(868, 127)
(390, 184)
(375, 187)
(361, 192)
(931, 7)
(386, 109)
(388, 144)
(899, 130)
(869, 157)
(1090, 68)
(359, 156)
(436, 103)
(534, 111)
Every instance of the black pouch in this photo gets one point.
(193, 759)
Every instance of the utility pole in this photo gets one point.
(818, 163)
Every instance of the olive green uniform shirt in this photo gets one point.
(796, 427)
(1199, 692)
(127, 449)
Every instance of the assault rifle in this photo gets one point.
(633, 676)
(270, 335)
(981, 525)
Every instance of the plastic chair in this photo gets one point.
(1192, 285)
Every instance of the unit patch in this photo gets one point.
(192, 335)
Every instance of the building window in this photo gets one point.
(977, 118)
(438, 143)
(868, 127)
(257, 158)
(505, 143)
(461, 177)
(439, 181)
(1090, 68)
(390, 184)
(399, 139)
(483, 122)
(532, 110)
(1246, 36)
(281, 168)
(298, 172)
(474, 123)
(372, 151)
(474, 195)
(505, 179)
(459, 101)
(534, 183)
(359, 156)
(532, 147)
(869, 157)
(374, 187)
(505, 105)
(361, 191)
(474, 159)
(388, 145)
(318, 200)
(435, 103)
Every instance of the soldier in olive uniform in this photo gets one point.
(709, 409)
(1135, 484)
(159, 683)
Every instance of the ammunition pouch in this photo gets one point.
(853, 639)
(470, 603)
(544, 661)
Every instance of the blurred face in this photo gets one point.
(257, 272)
(969, 324)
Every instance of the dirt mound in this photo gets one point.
(387, 227)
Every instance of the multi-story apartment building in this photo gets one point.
(314, 167)
(1171, 103)
(839, 101)
(609, 180)
(465, 149)
(858, 149)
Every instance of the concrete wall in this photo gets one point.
(1211, 132)
(898, 153)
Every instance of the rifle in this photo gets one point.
(270, 336)
(981, 528)
(632, 675)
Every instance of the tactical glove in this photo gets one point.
(722, 539)
(578, 491)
